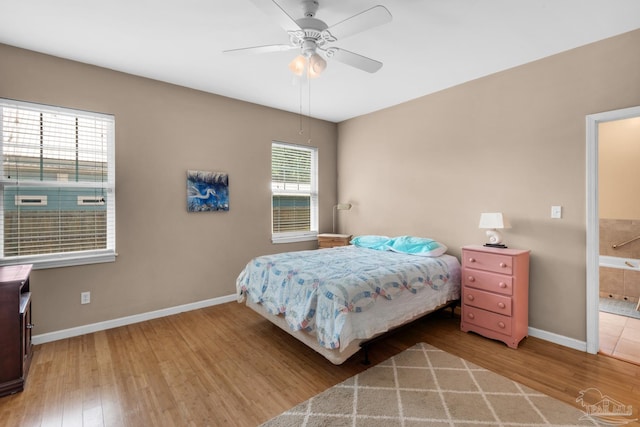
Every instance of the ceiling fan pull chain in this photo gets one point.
(301, 130)
(309, 110)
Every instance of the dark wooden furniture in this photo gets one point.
(15, 327)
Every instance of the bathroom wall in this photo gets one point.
(618, 183)
(620, 284)
(618, 171)
(616, 231)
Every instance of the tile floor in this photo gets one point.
(620, 337)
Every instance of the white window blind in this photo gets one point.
(294, 188)
(53, 160)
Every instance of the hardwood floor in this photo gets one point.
(226, 366)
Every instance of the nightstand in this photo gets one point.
(328, 240)
(495, 293)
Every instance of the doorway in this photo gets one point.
(593, 219)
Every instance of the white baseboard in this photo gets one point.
(558, 339)
(122, 321)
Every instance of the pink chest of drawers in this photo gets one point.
(495, 293)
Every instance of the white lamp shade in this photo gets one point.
(493, 220)
(317, 64)
(297, 65)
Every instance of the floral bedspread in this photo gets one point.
(315, 290)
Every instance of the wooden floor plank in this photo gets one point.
(227, 366)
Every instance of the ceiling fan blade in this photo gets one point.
(358, 61)
(369, 18)
(277, 13)
(259, 49)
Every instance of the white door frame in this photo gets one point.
(593, 226)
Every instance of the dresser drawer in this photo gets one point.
(489, 301)
(488, 281)
(486, 319)
(488, 262)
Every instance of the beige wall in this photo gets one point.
(619, 169)
(512, 142)
(167, 256)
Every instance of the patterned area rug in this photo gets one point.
(427, 386)
(622, 308)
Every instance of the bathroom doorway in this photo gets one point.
(613, 234)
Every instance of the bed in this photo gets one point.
(334, 300)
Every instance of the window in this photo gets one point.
(294, 192)
(57, 185)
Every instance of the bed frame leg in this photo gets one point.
(366, 360)
(453, 307)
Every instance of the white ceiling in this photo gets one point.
(428, 46)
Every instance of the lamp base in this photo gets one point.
(495, 245)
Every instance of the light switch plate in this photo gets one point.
(556, 211)
(85, 297)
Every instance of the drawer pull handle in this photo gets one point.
(502, 285)
(501, 325)
(472, 260)
(470, 297)
(503, 265)
(471, 316)
(472, 279)
(501, 305)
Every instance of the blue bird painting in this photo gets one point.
(207, 191)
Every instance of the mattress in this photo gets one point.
(360, 292)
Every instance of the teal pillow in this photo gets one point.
(417, 246)
(379, 243)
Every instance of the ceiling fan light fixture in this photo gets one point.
(297, 65)
(310, 34)
(317, 65)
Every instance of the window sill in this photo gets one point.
(293, 238)
(41, 262)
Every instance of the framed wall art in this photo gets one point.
(207, 191)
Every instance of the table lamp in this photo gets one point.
(492, 222)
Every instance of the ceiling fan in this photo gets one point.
(311, 36)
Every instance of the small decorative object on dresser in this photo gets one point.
(329, 240)
(495, 293)
(492, 222)
(15, 327)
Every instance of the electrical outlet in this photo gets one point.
(85, 297)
